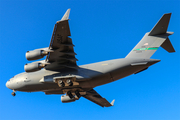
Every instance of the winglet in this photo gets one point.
(66, 15)
(161, 26)
(112, 103)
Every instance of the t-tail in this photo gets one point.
(153, 40)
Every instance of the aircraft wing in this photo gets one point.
(62, 55)
(93, 96)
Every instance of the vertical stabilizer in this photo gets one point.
(153, 40)
(161, 26)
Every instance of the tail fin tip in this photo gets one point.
(161, 26)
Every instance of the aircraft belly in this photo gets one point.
(132, 68)
(126, 71)
(88, 76)
(112, 71)
(37, 87)
(96, 81)
(112, 76)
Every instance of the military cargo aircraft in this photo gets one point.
(60, 74)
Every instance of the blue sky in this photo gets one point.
(101, 30)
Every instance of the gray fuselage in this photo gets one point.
(88, 76)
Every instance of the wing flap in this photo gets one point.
(63, 55)
(60, 33)
(93, 96)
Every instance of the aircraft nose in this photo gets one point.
(7, 84)
(10, 85)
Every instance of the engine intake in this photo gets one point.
(35, 54)
(32, 67)
(66, 99)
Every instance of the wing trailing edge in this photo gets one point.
(93, 96)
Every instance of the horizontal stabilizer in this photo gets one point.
(161, 26)
(168, 46)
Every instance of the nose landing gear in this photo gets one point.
(13, 93)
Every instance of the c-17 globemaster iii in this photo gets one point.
(59, 73)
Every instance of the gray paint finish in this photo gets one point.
(60, 65)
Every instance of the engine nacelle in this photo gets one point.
(32, 67)
(35, 54)
(66, 99)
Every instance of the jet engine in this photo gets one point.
(66, 99)
(32, 67)
(35, 54)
